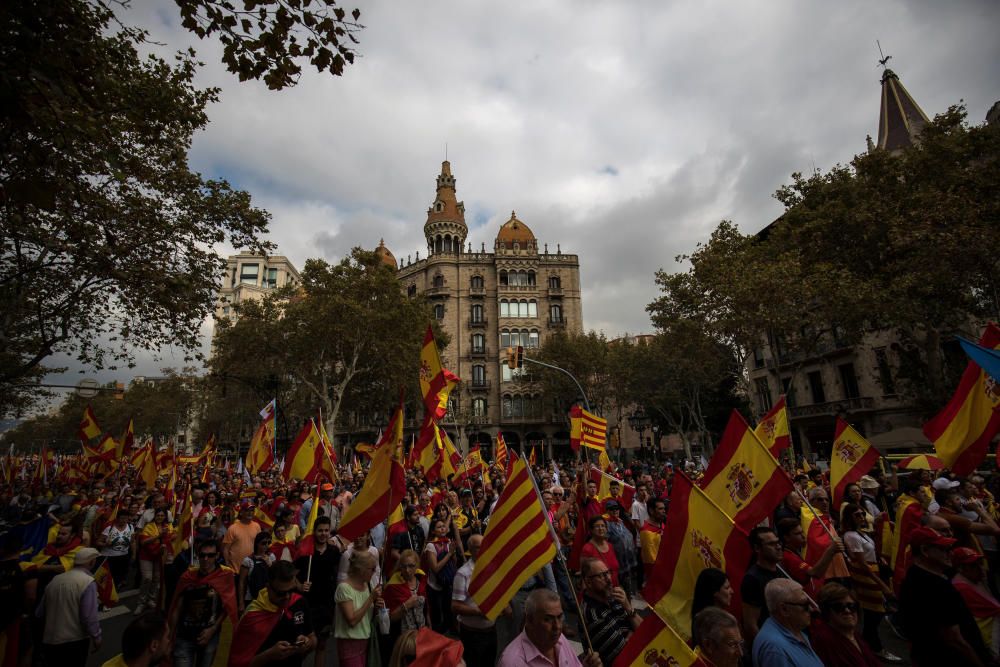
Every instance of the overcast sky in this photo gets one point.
(623, 131)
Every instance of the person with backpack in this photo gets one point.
(253, 570)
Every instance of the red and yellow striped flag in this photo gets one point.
(303, 458)
(743, 478)
(587, 429)
(384, 487)
(773, 429)
(656, 643)
(500, 455)
(517, 544)
(473, 466)
(699, 535)
(89, 429)
(851, 458)
(962, 431)
(107, 594)
(436, 381)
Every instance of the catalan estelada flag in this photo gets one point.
(518, 542)
(587, 429)
(384, 487)
(656, 643)
(851, 458)
(773, 428)
(303, 458)
(698, 535)
(962, 431)
(89, 429)
(436, 381)
(743, 478)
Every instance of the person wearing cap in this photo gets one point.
(941, 629)
(970, 582)
(623, 543)
(964, 528)
(238, 542)
(69, 610)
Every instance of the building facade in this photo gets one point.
(518, 294)
(252, 277)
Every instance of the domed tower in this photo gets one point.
(387, 257)
(515, 238)
(445, 228)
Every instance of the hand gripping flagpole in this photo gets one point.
(559, 554)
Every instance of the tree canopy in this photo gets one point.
(108, 236)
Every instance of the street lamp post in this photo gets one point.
(639, 421)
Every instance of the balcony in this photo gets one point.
(474, 323)
(555, 291)
(523, 419)
(520, 289)
(437, 293)
(478, 353)
(480, 385)
(832, 408)
(477, 292)
(825, 348)
(557, 323)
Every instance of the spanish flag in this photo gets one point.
(603, 481)
(743, 478)
(587, 429)
(436, 381)
(127, 442)
(533, 456)
(147, 467)
(472, 466)
(656, 643)
(222, 581)
(384, 487)
(260, 456)
(699, 535)
(307, 543)
(851, 458)
(303, 458)
(908, 514)
(89, 429)
(518, 542)
(327, 443)
(962, 431)
(107, 594)
(773, 429)
(256, 625)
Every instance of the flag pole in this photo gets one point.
(559, 556)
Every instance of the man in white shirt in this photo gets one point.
(478, 633)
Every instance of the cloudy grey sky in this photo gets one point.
(623, 131)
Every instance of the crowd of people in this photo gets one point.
(252, 578)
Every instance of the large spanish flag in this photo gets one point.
(908, 513)
(518, 542)
(89, 429)
(587, 429)
(436, 381)
(699, 535)
(743, 478)
(303, 458)
(656, 643)
(384, 487)
(852, 457)
(773, 428)
(962, 431)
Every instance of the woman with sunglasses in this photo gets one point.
(835, 636)
(862, 560)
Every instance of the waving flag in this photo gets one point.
(518, 542)
(500, 454)
(962, 431)
(656, 643)
(89, 429)
(303, 458)
(851, 458)
(436, 381)
(587, 429)
(127, 443)
(473, 466)
(260, 456)
(603, 482)
(773, 429)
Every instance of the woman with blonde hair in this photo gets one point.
(356, 600)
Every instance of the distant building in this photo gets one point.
(518, 294)
(252, 277)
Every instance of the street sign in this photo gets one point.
(87, 388)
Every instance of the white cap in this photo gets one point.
(942, 483)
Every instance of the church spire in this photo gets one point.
(900, 118)
(445, 228)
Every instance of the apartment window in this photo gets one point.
(554, 282)
(249, 273)
(532, 308)
(502, 278)
(885, 372)
(479, 407)
(816, 387)
(477, 313)
(849, 380)
(411, 291)
(505, 339)
(271, 280)
(478, 376)
(758, 357)
(555, 312)
(439, 311)
(507, 404)
(522, 308)
(439, 281)
(763, 391)
(532, 339)
(518, 406)
(478, 343)
(476, 282)
(504, 308)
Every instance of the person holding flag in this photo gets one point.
(317, 567)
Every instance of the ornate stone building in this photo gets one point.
(518, 294)
(252, 277)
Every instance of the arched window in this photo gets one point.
(479, 343)
(439, 311)
(437, 244)
(532, 339)
(518, 406)
(504, 338)
(554, 282)
(503, 278)
(508, 406)
(532, 308)
(504, 308)
(478, 375)
(522, 308)
(476, 282)
(439, 280)
(447, 242)
(555, 312)
(477, 312)
(479, 407)
(531, 277)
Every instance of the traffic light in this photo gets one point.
(120, 391)
(515, 357)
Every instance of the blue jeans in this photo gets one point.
(187, 653)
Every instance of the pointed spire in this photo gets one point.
(446, 206)
(900, 118)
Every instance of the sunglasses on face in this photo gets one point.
(844, 607)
